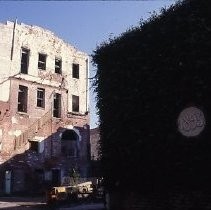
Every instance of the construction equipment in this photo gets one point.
(65, 193)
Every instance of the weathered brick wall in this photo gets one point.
(13, 123)
(38, 40)
(94, 141)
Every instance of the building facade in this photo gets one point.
(95, 151)
(44, 114)
(95, 143)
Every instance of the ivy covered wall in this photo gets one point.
(145, 78)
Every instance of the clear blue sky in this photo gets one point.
(83, 24)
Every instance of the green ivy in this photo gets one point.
(144, 79)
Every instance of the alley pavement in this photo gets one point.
(87, 206)
(39, 203)
(21, 203)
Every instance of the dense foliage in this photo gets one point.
(144, 79)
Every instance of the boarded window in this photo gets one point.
(41, 97)
(24, 61)
(58, 65)
(22, 98)
(57, 105)
(75, 103)
(75, 70)
(42, 61)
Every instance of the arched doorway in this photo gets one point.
(70, 143)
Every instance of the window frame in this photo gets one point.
(41, 99)
(24, 60)
(57, 102)
(22, 95)
(58, 67)
(75, 103)
(37, 146)
(75, 70)
(41, 65)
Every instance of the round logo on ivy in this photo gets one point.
(191, 122)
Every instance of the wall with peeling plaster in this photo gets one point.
(39, 40)
(13, 37)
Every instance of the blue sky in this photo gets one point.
(83, 24)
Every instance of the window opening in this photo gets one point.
(57, 105)
(24, 61)
(42, 61)
(75, 103)
(41, 97)
(58, 66)
(22, 98)
(34, 146)
(69, 144)
(75, 70)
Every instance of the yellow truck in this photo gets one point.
(64, 193)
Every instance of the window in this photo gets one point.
(42, 61)
(57, 105)
(75, 103)
(75, 70)
(24, 61)
(34, 146)
(22, 98)
(58, 66)
(37, 144)
(69, 145)
(41, 97)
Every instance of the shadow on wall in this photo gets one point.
(45, 163)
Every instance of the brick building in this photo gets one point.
(96, 170)
(44, 117)
(94, 143)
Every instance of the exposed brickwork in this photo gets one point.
(31, 146)
(94, 141)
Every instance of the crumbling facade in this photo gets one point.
(44, 116)
(95, 143)
(96, 170)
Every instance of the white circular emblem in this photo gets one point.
(191, 122)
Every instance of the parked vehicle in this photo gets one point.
(56, 194)
(72, 192)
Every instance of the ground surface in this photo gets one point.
(38, 203)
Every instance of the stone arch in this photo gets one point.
(69, 143)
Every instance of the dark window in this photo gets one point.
(34, 146)
(37, 146)
(42, 61)
(69, 143)
(24, 61)
(22, 98)
(41, 97)
(75, 69)
(57, 105)
(70, 135)
(56, 174)
(75, 103)
(58, 66)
